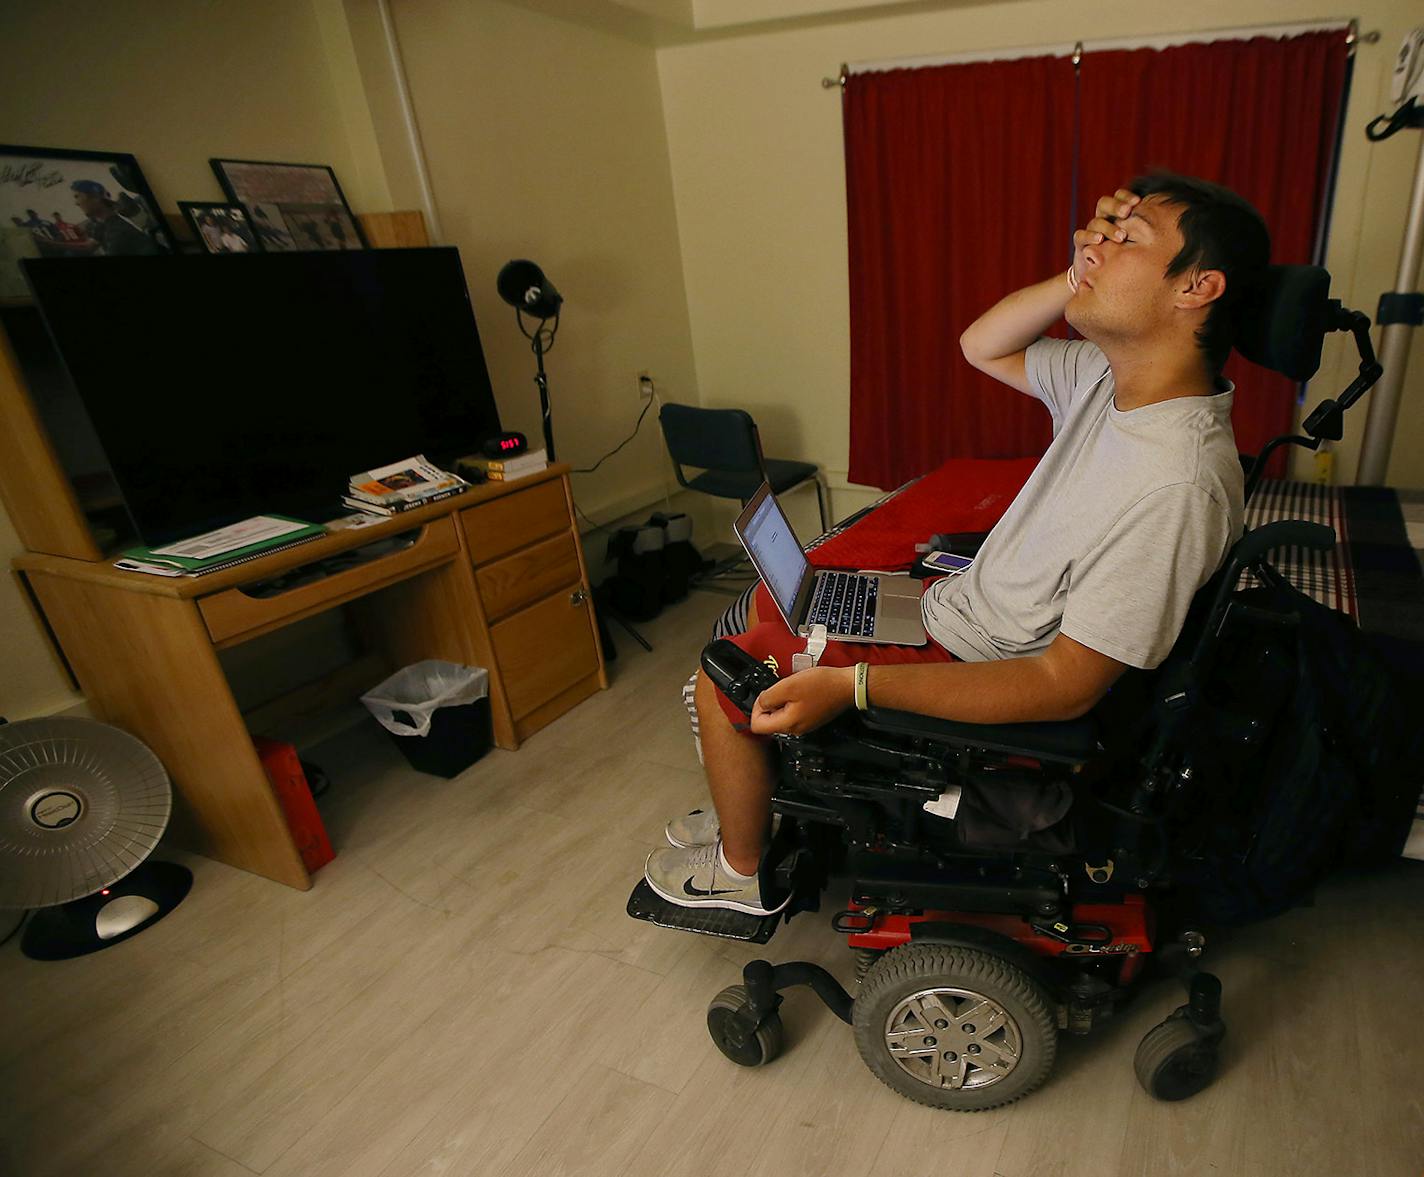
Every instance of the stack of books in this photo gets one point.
(508, 469)
(401, 486)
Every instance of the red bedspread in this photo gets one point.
(965, 494)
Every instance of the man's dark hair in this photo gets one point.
(1220, 231)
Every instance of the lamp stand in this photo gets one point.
(542, 382)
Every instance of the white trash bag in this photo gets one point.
(405, 703)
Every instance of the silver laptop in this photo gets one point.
(853, 606)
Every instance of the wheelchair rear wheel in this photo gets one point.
(954, 1027)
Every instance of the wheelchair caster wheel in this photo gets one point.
(729, 1024)
(1174, 1060)
(954, 1027)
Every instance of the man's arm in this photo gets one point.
(1063, 682)
(996, 341)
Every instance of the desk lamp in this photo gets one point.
(522, 284)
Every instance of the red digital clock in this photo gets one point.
(505, 445)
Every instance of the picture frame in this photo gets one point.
(57, 202)
(291, 206)
(220, 228)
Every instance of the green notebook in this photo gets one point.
(228, 546)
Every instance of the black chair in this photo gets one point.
(1035, 906)
(725, 445)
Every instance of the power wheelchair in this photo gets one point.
(1038, 904)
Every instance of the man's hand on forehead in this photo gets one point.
(1118, 207)
(1104, 225)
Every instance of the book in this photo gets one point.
(400, 505)
(226, 547)
(533, 460)
(410, 480)
(508, 469)
(506, 476)
(397, 506)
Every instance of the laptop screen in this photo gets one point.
(777, 553)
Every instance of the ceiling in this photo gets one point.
(680, 22)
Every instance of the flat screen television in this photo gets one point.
(225, 386)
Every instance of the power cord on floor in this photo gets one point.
(592, 525)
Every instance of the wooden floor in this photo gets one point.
(461, 993)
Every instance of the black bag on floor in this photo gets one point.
(681, 561)
(636, 590)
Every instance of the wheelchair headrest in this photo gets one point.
(1284, 325)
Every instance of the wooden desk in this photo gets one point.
(494, 578)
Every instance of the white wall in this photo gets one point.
(545, 141)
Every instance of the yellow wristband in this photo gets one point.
(862, 686)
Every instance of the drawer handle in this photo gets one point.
(577, 597)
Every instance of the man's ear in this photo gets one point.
(1202, 287)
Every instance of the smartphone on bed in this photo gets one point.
(946, 563)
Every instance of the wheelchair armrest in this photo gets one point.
(1071, 741)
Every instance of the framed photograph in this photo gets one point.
(291, 205)
(221, 228)
(60, 203)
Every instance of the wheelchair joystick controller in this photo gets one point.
(736, 673)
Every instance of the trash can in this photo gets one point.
(438, 714)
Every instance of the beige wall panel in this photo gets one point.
(545, 140)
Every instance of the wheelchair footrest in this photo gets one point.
(646, 904)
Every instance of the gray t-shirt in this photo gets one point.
(1125, 517)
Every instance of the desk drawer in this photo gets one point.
(545, 649)
(232, 616)
(496, 528)
(526, 576)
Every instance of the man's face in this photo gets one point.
(88, 203)
(1122, 293)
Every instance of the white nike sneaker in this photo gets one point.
(692, 876)
(700, 828)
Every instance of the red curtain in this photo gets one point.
(1258, 116)
(958, 187)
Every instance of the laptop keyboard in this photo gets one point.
(844, 603)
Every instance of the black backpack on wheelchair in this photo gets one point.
(1008, 882)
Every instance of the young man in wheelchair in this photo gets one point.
(1093, 567)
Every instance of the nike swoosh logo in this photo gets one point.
(689, 889)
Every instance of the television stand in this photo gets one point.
(494, 578)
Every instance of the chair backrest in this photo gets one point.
(711, 439)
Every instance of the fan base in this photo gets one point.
(123, 909)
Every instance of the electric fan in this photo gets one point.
(82, 804)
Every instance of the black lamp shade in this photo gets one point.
(522, 284)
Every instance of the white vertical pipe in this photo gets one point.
(412, 130)
(1394, 347)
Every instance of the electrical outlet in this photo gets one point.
(645, 387)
